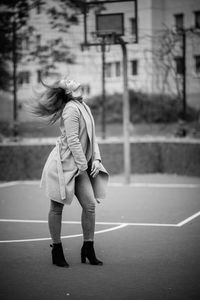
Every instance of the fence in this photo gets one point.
(25, 160)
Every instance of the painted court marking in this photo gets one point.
(188, 219)
(116, 227)
(63, 237)
(115, 184)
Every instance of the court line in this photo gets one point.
(7, 184)
(156, 185)
(63, 237)
(188, 219)
(98, 223)
(118, 226)
(18, 182)
(115, 184)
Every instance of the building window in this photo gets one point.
(39, 76)
(197, 64)
(85, 89)
(134, 67)
(38, 40)
(88, 89)
(24, 77)
(179, 65)
(38, 7)
(117, 69)
(108, 70)
(197, 19)
(133, 26)
(26, 43)
(179, 21)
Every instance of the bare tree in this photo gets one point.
(166, 56)
(14, 16)
(56, 48)
(16, 30)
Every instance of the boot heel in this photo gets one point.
(53, 257)
(83, 259)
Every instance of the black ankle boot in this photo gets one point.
(87, 251)
(58, 258)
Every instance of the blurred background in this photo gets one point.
(44, 39)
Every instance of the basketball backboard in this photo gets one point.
(104, 20)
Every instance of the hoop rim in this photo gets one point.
(106, 39)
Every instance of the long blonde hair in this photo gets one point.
(50, 103)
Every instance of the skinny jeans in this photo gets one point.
(85, 195)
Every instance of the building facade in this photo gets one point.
(155, 63)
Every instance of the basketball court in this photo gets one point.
(147, 234)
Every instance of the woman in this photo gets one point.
(73, 166)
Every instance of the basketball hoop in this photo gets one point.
(103, 40)
(106, 20)
(111, 22)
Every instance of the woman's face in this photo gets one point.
(73, 85)
(70, 85)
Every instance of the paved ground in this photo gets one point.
(147, 234)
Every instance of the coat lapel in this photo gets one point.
(89, 112)
(86, 115)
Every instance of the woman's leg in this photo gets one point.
(55, 221)
(85, 195)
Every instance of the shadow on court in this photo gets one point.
(147, 235)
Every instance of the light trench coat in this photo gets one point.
(74, 149)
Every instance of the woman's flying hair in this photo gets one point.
(50, 103)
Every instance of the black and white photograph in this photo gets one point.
(99, 149)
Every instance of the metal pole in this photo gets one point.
(136, 21)
(85, 22)
(103, 92)
(14, 61)
(126, 115)
(184, 73)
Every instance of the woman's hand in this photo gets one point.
(95, 168)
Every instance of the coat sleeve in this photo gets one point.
(97, 154)
(71, 117)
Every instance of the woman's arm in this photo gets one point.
(71, 117)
